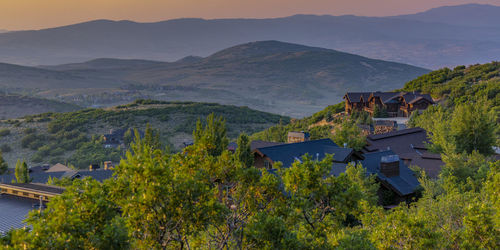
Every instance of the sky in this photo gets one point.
(37, 14)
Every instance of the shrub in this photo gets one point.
(5, 148)
(4, 132)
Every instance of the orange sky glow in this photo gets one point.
(37, 14)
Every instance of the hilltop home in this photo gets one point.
(397, 104)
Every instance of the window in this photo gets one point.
(267, 164)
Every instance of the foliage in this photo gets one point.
(462, 84)
(243, 152)
(22, 172)
(82, 217)
(5, 148)
(212, 135)
(4, 132)
(350, 134)
(93, 152)
(4, 167)
(468, 127)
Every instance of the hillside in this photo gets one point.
(449, 86)
(13, 106)
(278, 77)
(461, 84)
(74, 137)
(410, 40)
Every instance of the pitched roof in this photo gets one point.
(98, 175)
(58, 168)
(356, 96)
(288, 153)
(413, 97)
(261, 144)
(39, 187)
(14, 210)
(404, 184)
(410, 145)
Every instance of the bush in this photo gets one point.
(4, 132)
(29, 130)
(5, 148)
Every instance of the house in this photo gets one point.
(397, 104)
(392, 173)
(266, 157)
(410, 146)
(298, 136)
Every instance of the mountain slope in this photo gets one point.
(429, 45)
(13, 106)
(273, 76)
(469, 15)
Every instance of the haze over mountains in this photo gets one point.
(272, 76)
(445, 36)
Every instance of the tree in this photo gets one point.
(321, 202)
(22, 172)
(151, 137)
(128, 137)
(83, 217)
(377, 112)
(4, 167)
(243, 152)
(474, 127)
(165, 199)
(349, 133)
(212, 136)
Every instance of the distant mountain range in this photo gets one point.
(273, 76)
(444, 36)
(14, 106)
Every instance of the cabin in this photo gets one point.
(396, 104)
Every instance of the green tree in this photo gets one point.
(321, 202)
(349, 133)
(165, 199)
(4, 167)
(151, 137)
(377, 112)
(244, 152)
(22, 172)
(212, 136)
(474, 127)
(83, 217)
(128, 137)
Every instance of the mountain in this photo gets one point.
(13, 106)
(416, 42)
(272, 76)
(468, 15)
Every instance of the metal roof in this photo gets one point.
(13, 211)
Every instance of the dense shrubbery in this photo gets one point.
(4, 132)
(461, 84)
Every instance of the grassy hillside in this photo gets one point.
(461, 84)
(13, 106)
(74, 137)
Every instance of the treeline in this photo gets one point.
(207, 197)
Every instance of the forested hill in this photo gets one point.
(75, 137)
(461, 84)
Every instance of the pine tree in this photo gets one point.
(212, 135)
(244, 152)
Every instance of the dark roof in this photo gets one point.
(38, 177)
(261, 144)
(409, 144)
(36, 187)
(385, 96)
(288, 153)
(98, 175)
(414, 97)
(404, 184)
(356, 96)
(13, 212)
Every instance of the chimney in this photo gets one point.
(389, 165)
(345, 144)
(108, 165)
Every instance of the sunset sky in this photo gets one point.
(36, 14)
